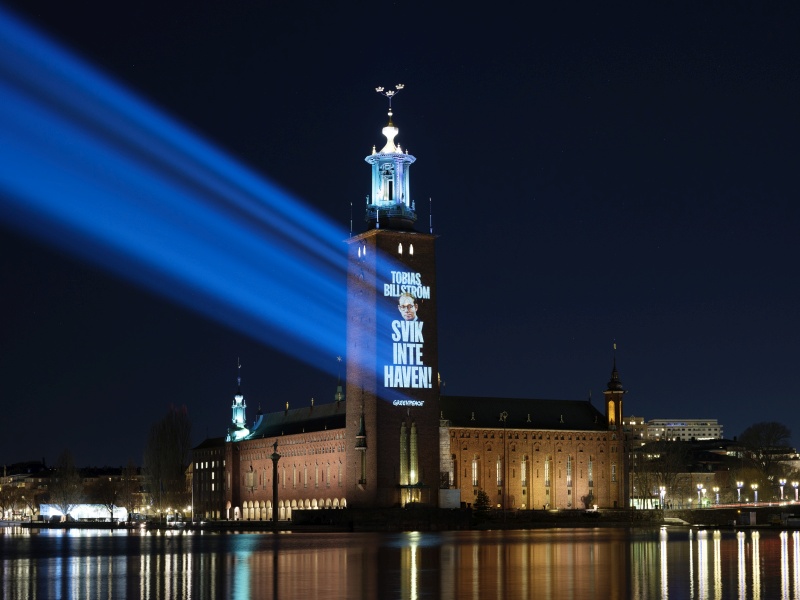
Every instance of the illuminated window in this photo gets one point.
(569, 471)
(339, 476)
(328, 476)
(411, 248)
(399, 248)
(547, 472)
(499, 471)
(523, 471)
(305, 476)
(590, 472)
(475, 471)
(613, 472)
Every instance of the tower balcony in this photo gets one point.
(394, 216)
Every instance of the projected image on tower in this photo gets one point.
(405, 360)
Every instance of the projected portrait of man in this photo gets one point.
(407, 305)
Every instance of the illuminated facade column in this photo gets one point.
(413, 458)
(403, 454)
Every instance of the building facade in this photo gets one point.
(389, 438)
(686, 430)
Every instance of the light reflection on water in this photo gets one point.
(554, 563)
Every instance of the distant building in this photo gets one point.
(683, 429)
(635, 428)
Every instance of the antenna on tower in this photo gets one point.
(430, 214)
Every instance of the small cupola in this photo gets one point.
(390, 205)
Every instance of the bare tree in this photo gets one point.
(9, 498)
(767, 445)
(103, 491)
(129, 488)
(166, 458)
(65, 486)
(662, 464)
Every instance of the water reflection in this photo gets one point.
(584, 563)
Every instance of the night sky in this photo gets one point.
(600, 173)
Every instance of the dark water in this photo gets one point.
(554, 563)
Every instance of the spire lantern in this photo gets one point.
(390, 205)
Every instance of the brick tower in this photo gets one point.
(392, 431)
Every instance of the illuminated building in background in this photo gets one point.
(389, 438)
(683, 429)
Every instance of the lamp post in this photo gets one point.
(503, 417)
(739, 485)
(275, 458)
(782, 481)
(794, 485)
(754, 487)
(716, 494)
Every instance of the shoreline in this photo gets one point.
(432, 519)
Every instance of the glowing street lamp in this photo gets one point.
(782, 481)
(754, 487)
(716, 494)
(794, 485)
(739, 485)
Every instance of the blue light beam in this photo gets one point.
(92, 169)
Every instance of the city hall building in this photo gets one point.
(387, 437)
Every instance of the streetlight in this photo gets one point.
(739, 485)
(716, 494)
(754, 487)
(503, 417)
(794, 485)
(275, 458)
(782, 481)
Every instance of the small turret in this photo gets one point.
(238, 429)
(613, 397)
